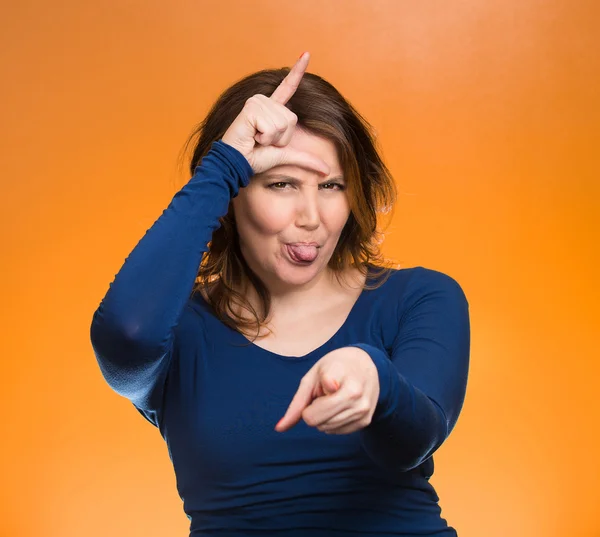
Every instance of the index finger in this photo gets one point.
(293, 414)
(283, 93)
(302, 398)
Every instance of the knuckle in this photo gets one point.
(281, 126)
(291, 116)
(308, 419)
(364, 407)
(354, 391)
(291, 121)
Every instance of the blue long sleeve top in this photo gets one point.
(215, 397)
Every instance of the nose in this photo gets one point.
(307, 214)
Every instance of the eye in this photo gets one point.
(280, 185)
(334, 186)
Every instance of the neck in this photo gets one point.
(288, 299)
(288, 302)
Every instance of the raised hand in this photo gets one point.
(265, 126)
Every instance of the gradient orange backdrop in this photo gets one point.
(488, 114)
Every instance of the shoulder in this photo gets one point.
(409, 284)
(405, 293)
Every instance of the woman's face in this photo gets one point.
(289, 219)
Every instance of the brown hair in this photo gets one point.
(324, 112)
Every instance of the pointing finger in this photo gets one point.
(301, 400)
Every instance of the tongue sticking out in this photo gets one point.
(302, 252)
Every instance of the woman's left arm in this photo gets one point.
(423, 385)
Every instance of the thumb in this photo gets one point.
(301, 400)
(279, 156)
(330, 385)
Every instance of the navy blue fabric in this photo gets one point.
(215, 397)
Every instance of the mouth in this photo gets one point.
(302, 253)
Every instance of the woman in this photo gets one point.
(301, 388)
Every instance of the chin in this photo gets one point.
(295, 275)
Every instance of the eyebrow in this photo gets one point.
(296, 180)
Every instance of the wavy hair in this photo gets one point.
(324, 112)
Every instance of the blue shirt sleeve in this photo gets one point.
(423, 385)
(132, 329)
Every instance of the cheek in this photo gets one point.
(337, 216)
(260, 215)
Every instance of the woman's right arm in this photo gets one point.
(132, 329)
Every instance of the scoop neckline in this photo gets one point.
(249, 344)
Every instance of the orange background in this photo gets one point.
(488, 114)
